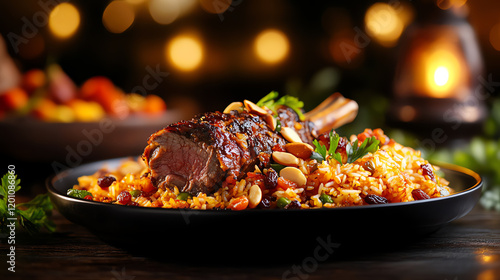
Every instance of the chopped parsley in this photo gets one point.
(78, 193)
(354, 151)
(290, 101)
(322, 151)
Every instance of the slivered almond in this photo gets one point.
(238, 106)
(291, 135)
(285, 159)
(254, 196)
(300, 150)
(294, 174)
(271, 122)
(253, 108)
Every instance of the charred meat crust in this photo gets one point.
(197, 155)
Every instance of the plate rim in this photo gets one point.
(49, 184)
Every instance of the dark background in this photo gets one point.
(309, 26)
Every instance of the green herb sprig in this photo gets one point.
(78, 193)
(32, 215)
(354, 151)
(322, 153)
(290, 101)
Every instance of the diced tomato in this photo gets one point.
(239, 203)
(378, 133)
(147, 185)
(285, 183)
(365, 134)
(157, 203)
(231, 179)
(255, 179)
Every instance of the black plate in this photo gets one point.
(139, 228)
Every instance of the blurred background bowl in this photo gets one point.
(70, 144)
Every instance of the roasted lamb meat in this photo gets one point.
(199, 154)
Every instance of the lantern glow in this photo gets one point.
(443, 72)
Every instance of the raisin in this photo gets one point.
(341, 146)
(124, 197)
(294, 204)
(427, 170)
(419, 194)
(324, 139)
(369, 166)
(265, 202)
(375, 199)
(271, 179)
(106, 181)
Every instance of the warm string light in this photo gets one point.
(271, 46)
(64, 20)
(167, 11)
(384, 23)
(118, 16)
(185, 52)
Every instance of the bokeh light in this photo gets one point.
(185, 52)
(495, 36)
(271, 46)
(64, 20)
(383, 23)
(118, 16)
(489, 274)
(167, 11)
(135, 2)
(407, 113)
(447, 4)
(215, 6)
(164, 11)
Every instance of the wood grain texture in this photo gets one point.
(468, 248)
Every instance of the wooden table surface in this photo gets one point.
(468, 248)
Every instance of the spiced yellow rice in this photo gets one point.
(393, 173)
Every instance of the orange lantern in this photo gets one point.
(438, 70)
